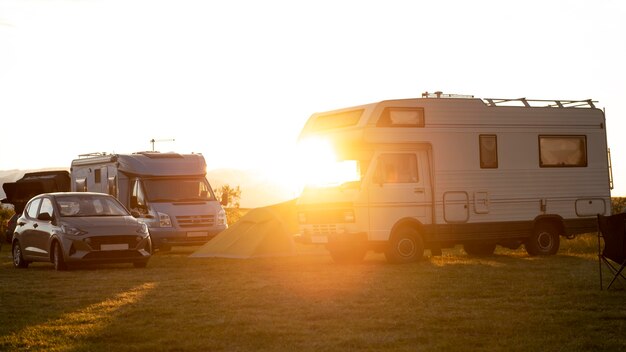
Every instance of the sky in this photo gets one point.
(236, 80)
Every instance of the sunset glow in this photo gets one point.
(320, 165)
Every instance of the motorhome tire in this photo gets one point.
(57, 257)
(544, 240)
(405, 246)
(18, 257)
(479, 249)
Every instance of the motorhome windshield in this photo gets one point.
(178, 189)
(334, 173)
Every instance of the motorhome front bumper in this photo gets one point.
(178, 237)
(311, 238)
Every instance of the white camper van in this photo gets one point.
(169, 191)
(442, 170)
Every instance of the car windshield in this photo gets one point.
(178, 189)
(89, 205)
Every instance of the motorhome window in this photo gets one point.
(178, 189)
(33, 207)
(401, 117)
(488, 151)
(562, 151)
(112, 186)
(96, 175)
(338, 120)
(81, 185)
(397, 168)
(138, 198)
(46, 207)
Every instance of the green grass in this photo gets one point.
(508, 302)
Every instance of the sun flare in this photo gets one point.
(320, 166)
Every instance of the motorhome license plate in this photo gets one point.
(197, 234)
(319, 239)
(114, 247)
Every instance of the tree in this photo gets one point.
(233, 213)
(618, 205)
(232, 194)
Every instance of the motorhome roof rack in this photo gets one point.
(87, 155)
(529, 103)
(439, 94)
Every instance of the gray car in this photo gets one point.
(79, 227)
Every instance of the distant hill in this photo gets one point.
(255, 191)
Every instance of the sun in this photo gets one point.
(319, 164)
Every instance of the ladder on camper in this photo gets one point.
(529, 103)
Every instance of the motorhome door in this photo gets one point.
(399, 187)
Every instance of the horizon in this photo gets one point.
(237, 81)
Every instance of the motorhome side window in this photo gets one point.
(397, 168)
(401, 117)
(488, 151)
(137, 197)
(81, 184)
(112, 186)
(562, 151)
(97, 176)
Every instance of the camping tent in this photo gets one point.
(262, 232)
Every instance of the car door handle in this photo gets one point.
(419, 190)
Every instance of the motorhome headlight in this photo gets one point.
(221, 217)
(302, 217)
(73, 231)
(143, 229)
(164, 220)
(348, 216)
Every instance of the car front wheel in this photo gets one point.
(18, 258)
(57, 257)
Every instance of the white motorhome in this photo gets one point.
(442, 170)
(169, 191)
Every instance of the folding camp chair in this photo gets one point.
(612, 229)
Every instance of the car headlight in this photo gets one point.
(348, 216)
(164, 220)
(143, 229)
(221, 217)
(72, 231)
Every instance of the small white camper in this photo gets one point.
(169, 191)
(442, 170)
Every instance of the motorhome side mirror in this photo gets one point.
(224, 200)
(44, 217)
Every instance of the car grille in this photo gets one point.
(325, 216)
(123, 255)
(97, 241)
(195, 220)
(324, 229)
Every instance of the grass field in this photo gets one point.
(508, 302)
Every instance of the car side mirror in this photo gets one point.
(44, 217)
(135, 213)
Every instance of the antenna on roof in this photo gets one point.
(439, 94)
(160, 140)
